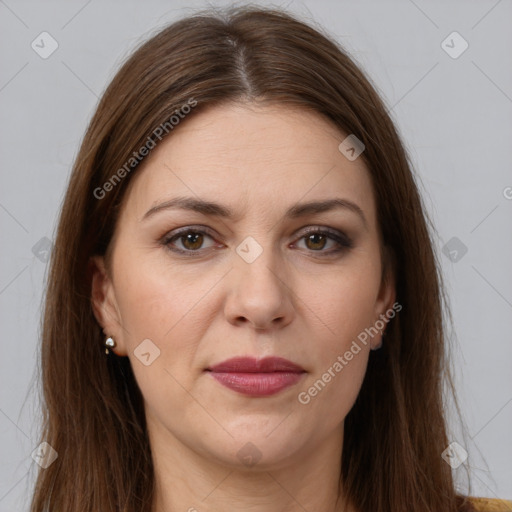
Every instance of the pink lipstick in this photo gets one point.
(257, 377)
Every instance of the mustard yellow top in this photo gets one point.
(491, 505)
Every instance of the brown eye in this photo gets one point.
(324, 241)
(192, 240)
(316, 241)
(188, 241)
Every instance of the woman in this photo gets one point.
(243, 236)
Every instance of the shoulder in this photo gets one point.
(491, 505)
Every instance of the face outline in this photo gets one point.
(290, 301)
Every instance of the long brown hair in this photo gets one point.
(92, 407)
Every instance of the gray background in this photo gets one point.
(454, 115)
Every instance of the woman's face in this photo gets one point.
(193, 285)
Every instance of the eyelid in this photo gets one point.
(178, 232)
(185, 229)
(326, 230)
(344, 242)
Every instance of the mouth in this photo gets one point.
(257, 377)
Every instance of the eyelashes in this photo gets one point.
(180, 235)
(312, 234)
(315, 240)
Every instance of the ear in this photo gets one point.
(387, 294)
(104, 303)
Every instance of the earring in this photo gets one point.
(109, 343)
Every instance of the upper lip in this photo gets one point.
(253, 365)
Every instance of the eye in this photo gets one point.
(191, 241)
(317, 239)
(188, 240)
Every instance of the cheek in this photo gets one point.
(342, 306)
(164, 307)
(173, 309)
(342, 303)
(156, 300)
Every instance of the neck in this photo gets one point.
(188, 481)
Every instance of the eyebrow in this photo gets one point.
(218, 210)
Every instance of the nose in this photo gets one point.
(259, 293)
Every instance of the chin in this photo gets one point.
(257, 449)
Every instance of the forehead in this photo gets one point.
(253, 158)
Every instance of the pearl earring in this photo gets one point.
(109, 343)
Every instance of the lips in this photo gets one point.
(252, 365)
(257, 377)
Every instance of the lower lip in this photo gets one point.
(257, 384)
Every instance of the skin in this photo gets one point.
(290, 302)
